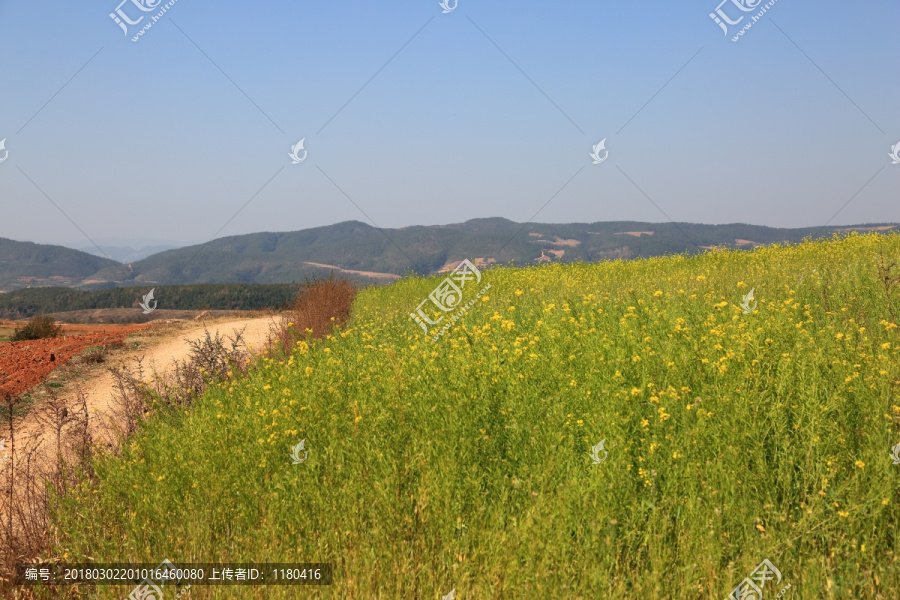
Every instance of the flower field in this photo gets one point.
(730, 437)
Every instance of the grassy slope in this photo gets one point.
(464, 463)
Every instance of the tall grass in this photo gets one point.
(464, 463)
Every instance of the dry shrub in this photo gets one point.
(95, 355)
(38, 469)
(27, 469)
(318, 308)
(91, 356)
(211, 359)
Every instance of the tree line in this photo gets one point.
(27, 302)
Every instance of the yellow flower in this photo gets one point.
(860, 464)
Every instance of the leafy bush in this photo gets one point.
(40, 327)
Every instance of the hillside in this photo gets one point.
(366, 254)
(126, 254)
(652, 429)
(25, 263)
(279, 257)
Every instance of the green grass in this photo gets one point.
(464, 463)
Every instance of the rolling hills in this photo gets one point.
(365, 253)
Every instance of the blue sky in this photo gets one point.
(415, 117)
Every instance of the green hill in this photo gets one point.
(25, 263)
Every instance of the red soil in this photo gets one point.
(25, 364)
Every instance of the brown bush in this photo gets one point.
(317, 309)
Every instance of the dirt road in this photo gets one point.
(158, 350)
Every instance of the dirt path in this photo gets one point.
(161, 358)
(158, 352)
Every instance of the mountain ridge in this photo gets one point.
(375, 255)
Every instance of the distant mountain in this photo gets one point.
(126, 254)
(23, 264)
(365, 253)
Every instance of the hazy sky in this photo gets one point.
(412, 116)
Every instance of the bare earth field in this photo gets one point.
(132, 315)
(157, 345)
(25, 364)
